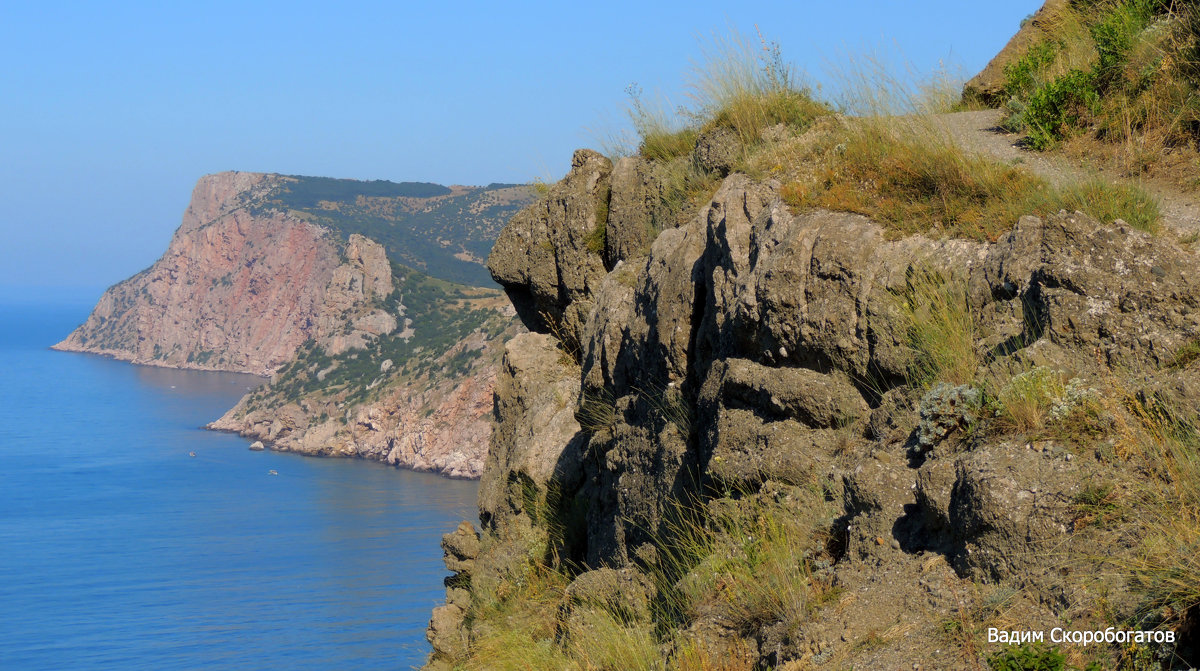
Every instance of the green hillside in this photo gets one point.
(443, 231)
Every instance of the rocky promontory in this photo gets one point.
(271, 274)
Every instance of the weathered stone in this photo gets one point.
(1001, 510)
(542, 257)
(636, 196)
(460, 548)
(445, 632)
(536, 444)
(718, 150)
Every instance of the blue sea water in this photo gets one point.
(118, 550)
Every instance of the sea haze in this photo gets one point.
(118, 550)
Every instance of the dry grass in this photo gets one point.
(1024, 403)
(1165, 444)
(746, 562)
(907, 175)
(748, 87)
(941, 329)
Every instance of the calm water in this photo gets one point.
(119, 551)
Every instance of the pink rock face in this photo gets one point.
(234, 291)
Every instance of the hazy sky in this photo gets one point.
(109, 112)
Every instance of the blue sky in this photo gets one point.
(111, 111)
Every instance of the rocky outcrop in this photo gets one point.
(441, 427)
(236, 290)
(757, 349)
(542, 258)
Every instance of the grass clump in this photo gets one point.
(597, 411)
(749, 90)
(749, 562)
(1109, 202)
(736, 86)
(1185, 355)
(1044, 398)
(941, 329)
(663, 135)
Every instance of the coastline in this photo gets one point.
(406, 446)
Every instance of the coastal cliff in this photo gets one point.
(234, 291)
(271, 274)
(821, 391)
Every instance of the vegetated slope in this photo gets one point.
(821, 392)
(417, 396)
(443, 231)
(1116, 83)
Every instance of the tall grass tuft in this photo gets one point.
(748, 562)
(748, 88)
(941, 329)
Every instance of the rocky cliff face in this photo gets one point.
(427, 413)
(759, 364)
(235, 291)
(247, 286)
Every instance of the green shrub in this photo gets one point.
(1060, 107)
(1034, 657)
(1115, 34)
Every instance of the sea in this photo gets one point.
(131, 538)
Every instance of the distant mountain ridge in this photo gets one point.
(443, 231)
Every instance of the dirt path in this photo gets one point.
(978, 132)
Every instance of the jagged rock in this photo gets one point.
(537, 443)
(754, 348)
(998, 512)
(816, 400)
(636, 196)
(643, 468)
(542, 258)
(257, 446)
(816, 290)
(1124, 295)
(461, 547)
(874, 496)
(445, 632)
(771, 423)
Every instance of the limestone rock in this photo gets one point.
(461, 547)
(635, 200)
(542, 258)
(537, 441)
